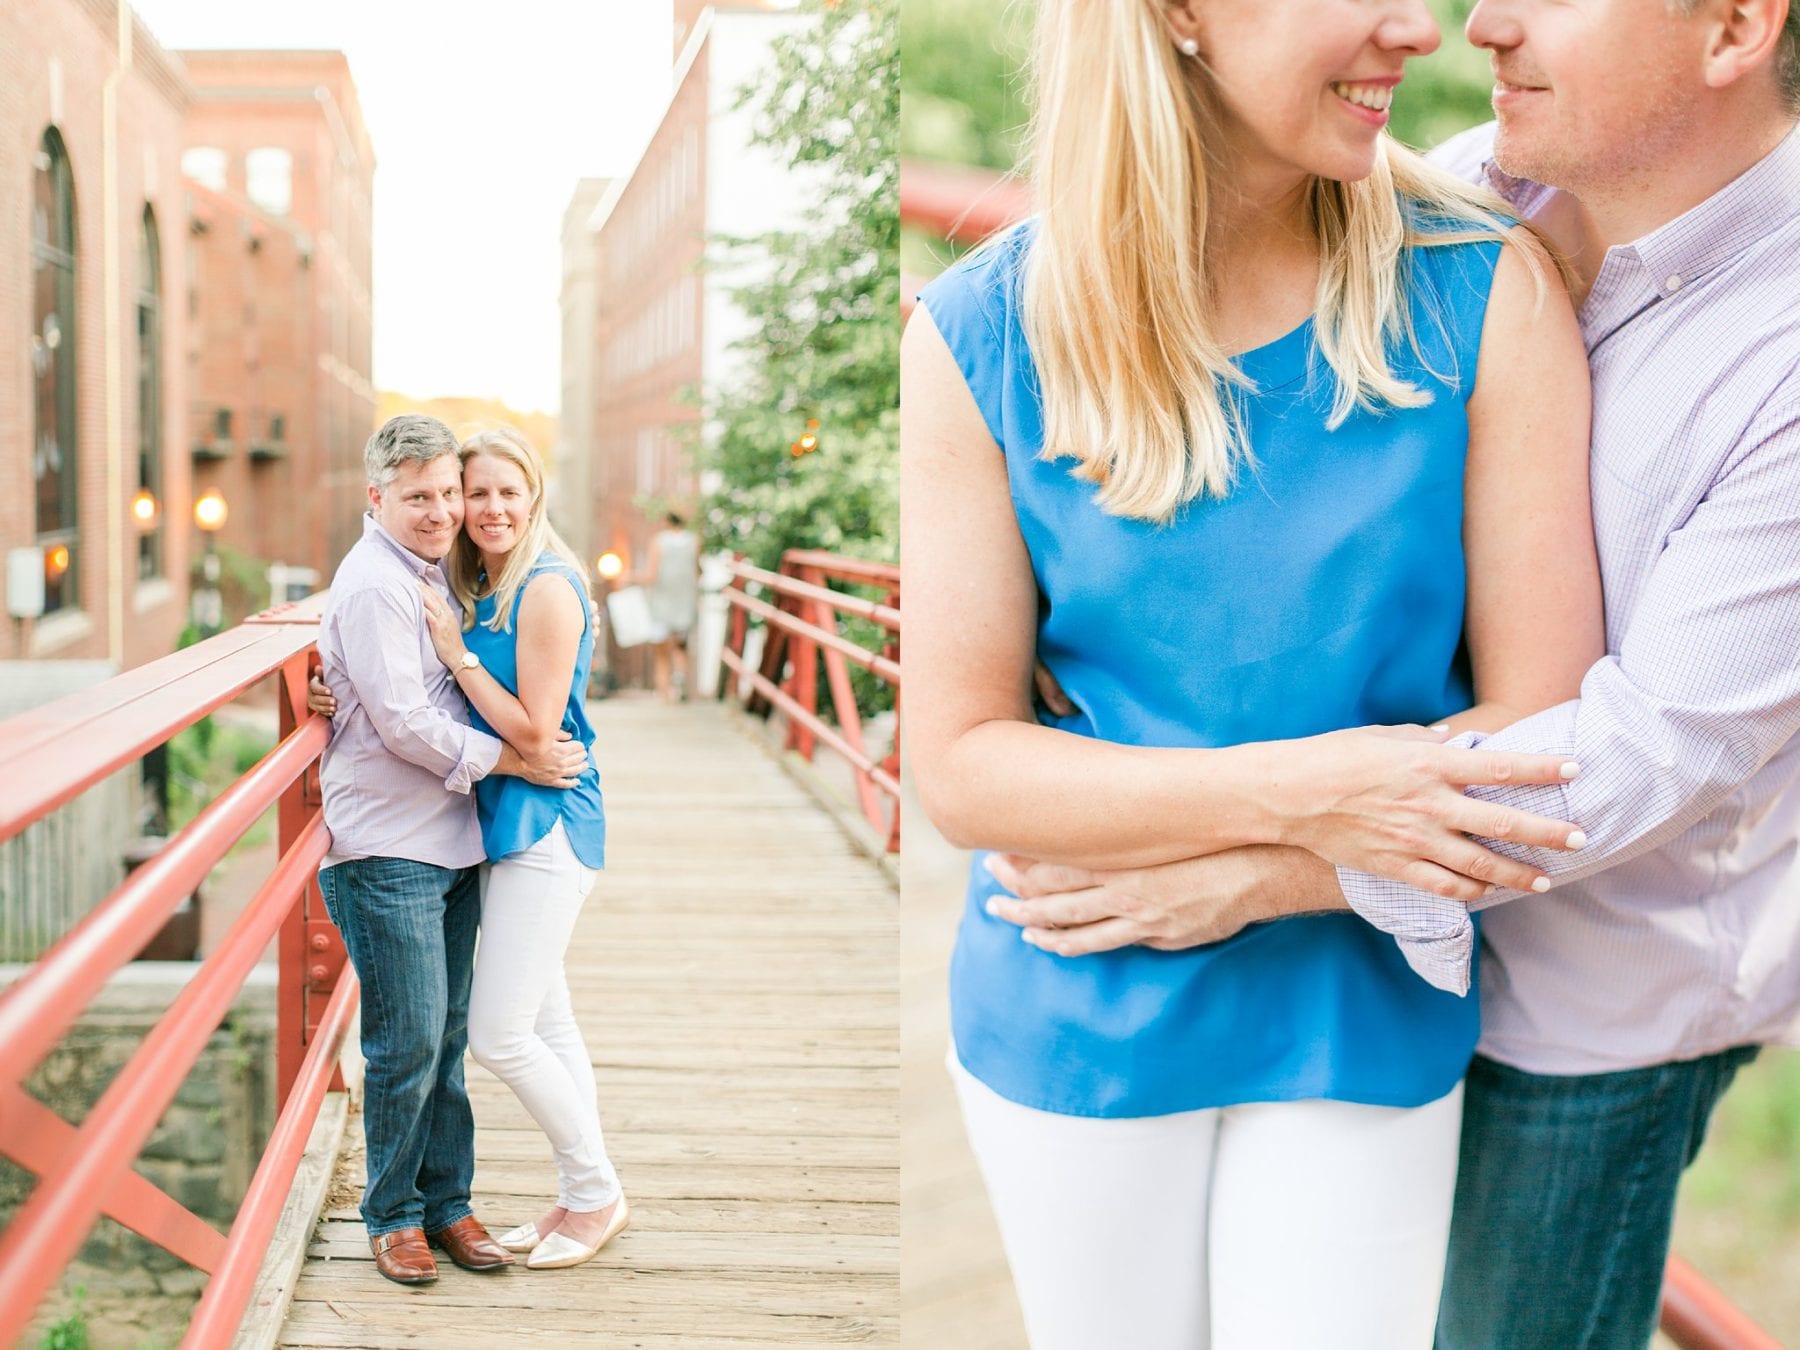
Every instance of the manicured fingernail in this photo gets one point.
(992, 907)
(1577, 839)
(988, 861)
(1541, 885)
(1570, 769)
(1441, 726)
(1027, 935)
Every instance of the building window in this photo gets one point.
(53, 371)
(222, 425)
(269, 179)
(150, 404)
(205, 164)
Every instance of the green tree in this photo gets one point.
(1449, 90)
(962, 89)
(823, 302)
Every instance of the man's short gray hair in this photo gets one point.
(410, 437)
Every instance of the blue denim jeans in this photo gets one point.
(1564, 1202)
(410, 930)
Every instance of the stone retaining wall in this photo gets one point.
(204, 1150)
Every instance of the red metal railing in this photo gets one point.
(959, 204)
(1697, 1316)
(967, 205)
(49, 756)
(803, 616)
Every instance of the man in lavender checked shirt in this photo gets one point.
(400, 879)
(1655, 141)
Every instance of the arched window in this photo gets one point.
(54, 452)
(147, 510)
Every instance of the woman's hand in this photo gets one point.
(319, 697)
(1389, 801)
(445, 628)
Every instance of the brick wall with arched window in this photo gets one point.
(54, 445)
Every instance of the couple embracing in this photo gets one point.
(462, 797)
(1266, 438)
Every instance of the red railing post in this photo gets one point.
(310, 951)
(891, 650)
(803, 680)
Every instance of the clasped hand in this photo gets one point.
(1075, 911)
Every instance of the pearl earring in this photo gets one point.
(1189, 46)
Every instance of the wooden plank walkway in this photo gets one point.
(735, 977)
(955, 1290)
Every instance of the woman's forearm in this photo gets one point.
(1018, 787)
(503, 712)
(1383, 800)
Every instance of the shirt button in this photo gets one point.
(1672, 282)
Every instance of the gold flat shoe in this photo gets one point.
(521, 1239)
(557, 1252)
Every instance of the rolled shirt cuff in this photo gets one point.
(1435, 933)
(480, 753)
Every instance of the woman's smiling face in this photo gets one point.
(496, 503)
(1305, 84)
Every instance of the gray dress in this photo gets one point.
(674, 593)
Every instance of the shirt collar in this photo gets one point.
(1678, 253)
(1748, 208)
(426, 571)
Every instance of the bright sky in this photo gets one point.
(483, 117)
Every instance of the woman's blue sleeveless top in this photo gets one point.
(1326, 591)
(516, 814)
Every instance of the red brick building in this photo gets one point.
(661, 326)
(281, 397)
(93, 391)
(252, 426)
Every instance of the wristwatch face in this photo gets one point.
(470, 660)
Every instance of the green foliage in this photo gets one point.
(203, 761)
(1448, 91)
(69, 1332)
(961, 88)
(823, 304)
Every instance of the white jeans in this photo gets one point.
(521, 1026)
(1257, 1227)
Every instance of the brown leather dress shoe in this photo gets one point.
(403, 1257)
(467, 1243)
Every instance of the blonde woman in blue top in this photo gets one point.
(1261, 432)
(521, 655)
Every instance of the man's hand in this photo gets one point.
(559, 766)
(319, 697)
(1073, 911)
(1050, 692)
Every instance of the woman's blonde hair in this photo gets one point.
(1119, 298)
(539, 535)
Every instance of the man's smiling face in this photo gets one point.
(422, 506)
(1589, 94)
